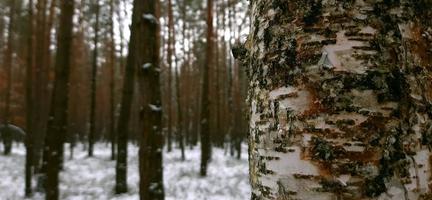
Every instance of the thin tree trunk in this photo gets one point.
(340, 99)
(180, 128)
(29, 104)
(124, 118)
(91, 136)
(218, 136)
(205, 105)
(120, 22)
(41, 108)
(37, 130)
(112, 82)
(179, 117)
(170, 53)
(56, 129)
(7, 137)
(184, 78)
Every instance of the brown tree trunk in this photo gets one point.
(112, 82)
(179, 116)
(42, 66)
(170, 52)
(340, 99)
(145, 39)
(29, 103)
(38, 132)
(7, 137)
(180, 105)
(215, 108)
(125, 114)
(56, 129)
(92, 131)
(205, 99)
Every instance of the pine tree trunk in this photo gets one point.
(42, 66)
(179, 117)
(29, 104)
(205, 98)
(340, 99)
(93, 83)
(215, 132)
(125, 112)
(170, 52)
(57, 123)
(112, 82)
(7, 135)
(145, 34)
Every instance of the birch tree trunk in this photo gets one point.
(340, 99)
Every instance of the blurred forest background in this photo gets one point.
(196, 38)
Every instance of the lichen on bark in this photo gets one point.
(340, 96)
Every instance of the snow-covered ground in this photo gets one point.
(93, 178)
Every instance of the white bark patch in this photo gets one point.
(291, 98)
(420, 172)
(285, 169)
(254, 116)
(368, 30)
(289, 163)
(274, 94)
(340, 55)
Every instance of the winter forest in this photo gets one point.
(216, 99)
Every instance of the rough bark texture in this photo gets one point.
(340, 98)
(145, 31)
(57, 123)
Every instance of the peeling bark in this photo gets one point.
(340, 99)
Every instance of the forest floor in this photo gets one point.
(94, 178)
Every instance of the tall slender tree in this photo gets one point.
(124, 118)
(170, 53)
(57, 123)
(179, 116)
(112, 80)
(205, 98)
(7, 135)
(145, 40)
(92, 131)
(44, 22)
(29, 103)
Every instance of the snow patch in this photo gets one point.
(150, 18)
(94, 178)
